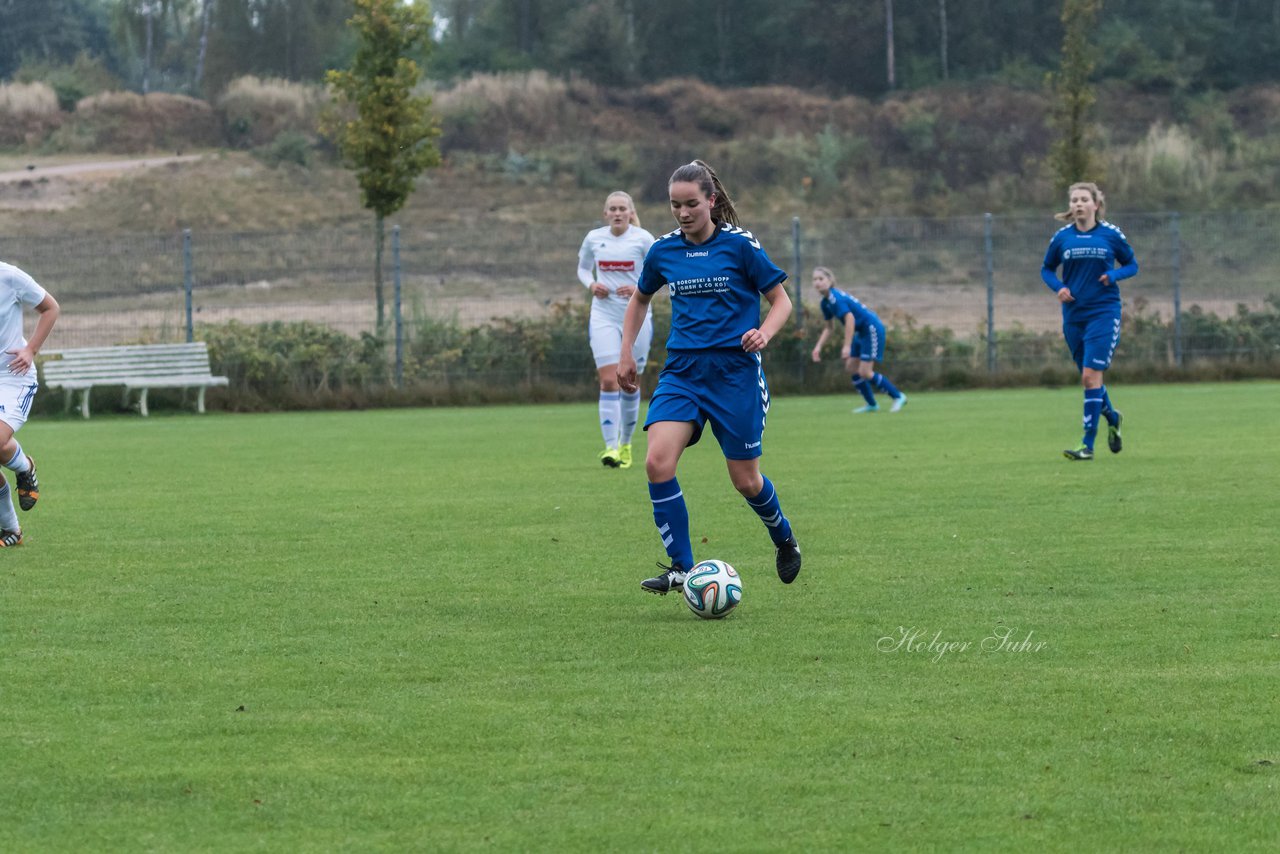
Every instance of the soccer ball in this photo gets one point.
(712, 589)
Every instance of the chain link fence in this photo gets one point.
(976, 279)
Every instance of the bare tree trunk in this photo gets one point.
(379, 235)
(205, 7)
(149, 11)
(722, 42)
(888, 41)
(942, 25)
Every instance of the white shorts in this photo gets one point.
(16, 397)
(606, 342)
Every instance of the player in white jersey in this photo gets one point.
(18, 386)
(609, 264)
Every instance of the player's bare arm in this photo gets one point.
(637, 308)
(756, 340)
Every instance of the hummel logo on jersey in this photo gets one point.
(703, 254)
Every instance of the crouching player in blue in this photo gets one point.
(863, 341)
(716, 273)
(1088, 250)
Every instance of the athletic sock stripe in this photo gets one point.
(679, 494)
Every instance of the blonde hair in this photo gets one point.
(826, 271)
(635, 217)
(708, 182)
(1098, 198)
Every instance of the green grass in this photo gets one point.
(423, 630)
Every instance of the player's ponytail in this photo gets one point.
(705, 177)
(1098, 198)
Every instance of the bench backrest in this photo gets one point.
(134, 361)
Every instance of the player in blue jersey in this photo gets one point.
(863, 341)
(716, 274)
(1095, 256)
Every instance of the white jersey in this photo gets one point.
(616, 260)
(17, 289)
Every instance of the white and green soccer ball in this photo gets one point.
(712, 589)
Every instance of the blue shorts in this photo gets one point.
(725, 387)
(868, 344)
(1092, 341)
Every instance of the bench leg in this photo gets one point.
(84, 403)
(200, 401)
(142, 402)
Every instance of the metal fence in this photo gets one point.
(973, 276)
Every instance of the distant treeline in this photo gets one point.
(859, 47)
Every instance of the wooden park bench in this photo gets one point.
(138, 366)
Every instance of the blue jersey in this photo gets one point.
(836, 304)
(1084, 257)
(715, 286)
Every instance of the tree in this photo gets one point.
(1071, 157)
(391, 138)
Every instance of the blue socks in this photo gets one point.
(881, 382)
(672, 518)
(1093, 401)
(770, 512)
(1108, 412)
(864, 388)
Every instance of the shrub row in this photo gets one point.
(303, 365)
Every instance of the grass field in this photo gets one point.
(423, 630)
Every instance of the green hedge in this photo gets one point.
(304, 365)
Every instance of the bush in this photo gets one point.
(84, 77)
(28, 113)
(294, 365)
(126, 123)
(255, 112)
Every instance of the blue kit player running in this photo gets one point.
(1089, 250)
(716, 273)
(863, 341)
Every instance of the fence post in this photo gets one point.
(991, 293)
(795, 254)
(1176, 254)
(188, 281)
(395, 263)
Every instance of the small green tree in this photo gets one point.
(390, 140)
(1071, 156)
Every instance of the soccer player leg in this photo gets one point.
(606, 348)
(861, 383)
(631, 400)
(875, 353)
(1101, 335)
(10, 530)
(673, 424)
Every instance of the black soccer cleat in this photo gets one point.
(1084, 452)
(1113, 433)
(28, 487)
(8, 539)
(788, 560)
(671, 578)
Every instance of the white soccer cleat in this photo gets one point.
(898, 402)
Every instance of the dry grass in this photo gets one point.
(1167, 157)
(255, 111)
(126, 122)
(28, 113)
